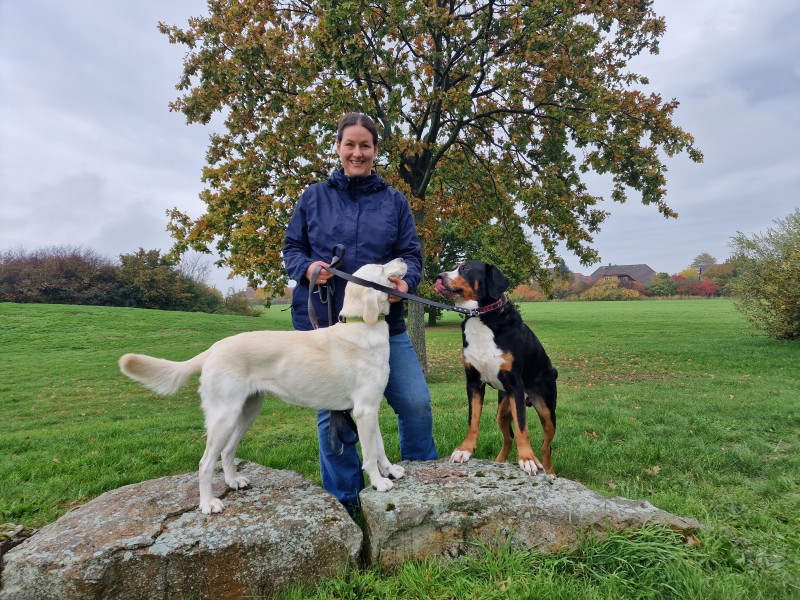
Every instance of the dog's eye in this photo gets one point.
(463, 269)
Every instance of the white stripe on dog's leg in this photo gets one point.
(219, 432)
(250, 410)
(367, 424)
(386, 468)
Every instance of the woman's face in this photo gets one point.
(356, 151)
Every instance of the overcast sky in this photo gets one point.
(91, 156)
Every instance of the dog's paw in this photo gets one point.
(460, 456)
(396, 471)
(215, 506)
(238, 483)
(382, 484)
(531, 467)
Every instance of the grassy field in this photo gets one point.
(675, 402)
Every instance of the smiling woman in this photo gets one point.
(372, 220)
(356, 145)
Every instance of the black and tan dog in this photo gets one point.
(500, 350)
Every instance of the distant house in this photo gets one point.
(624, 274)
(579, 278)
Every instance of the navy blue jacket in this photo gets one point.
(367, 216)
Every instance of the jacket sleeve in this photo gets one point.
(296, 246)
(407, 245)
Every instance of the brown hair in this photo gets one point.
(350, 119)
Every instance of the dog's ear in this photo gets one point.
(496, 282)
(371, 310)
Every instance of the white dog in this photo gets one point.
(344, 366)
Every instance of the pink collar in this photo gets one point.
(493, 306)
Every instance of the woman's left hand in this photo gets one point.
(399, 285)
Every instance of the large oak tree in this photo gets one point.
(491, 113)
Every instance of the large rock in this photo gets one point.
(148, 540)
(12, 535)
(442, 509)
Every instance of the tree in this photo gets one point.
(702, 262)
(153, 281)
(196, 267)
(766, 288)
(662, 285)
(720, 275)
(490, 112)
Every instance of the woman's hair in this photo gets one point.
(350, 119)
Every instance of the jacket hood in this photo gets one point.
(356, 185)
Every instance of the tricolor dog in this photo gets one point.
(345, 366)
(500, 350)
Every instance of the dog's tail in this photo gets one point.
(160, 375)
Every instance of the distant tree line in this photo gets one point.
(686, 284)
(762, 276)
(143, 279)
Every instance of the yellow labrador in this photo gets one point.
(345, 366)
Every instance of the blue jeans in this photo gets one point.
(408, 394)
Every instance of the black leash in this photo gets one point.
(338, 255)
(471, 312)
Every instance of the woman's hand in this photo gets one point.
(323, 276)
(399, 285)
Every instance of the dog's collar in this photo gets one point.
(493, 306)
(357, 319)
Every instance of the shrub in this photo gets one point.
(683, 285)
(662, 285)
(766, 288)
(609, 289)
(152, 281)
(526, 293)
(686, 286)
(636, 286)
(237, 303)
(721, 276)
(58, 275)
(704, 288)
(74, 275)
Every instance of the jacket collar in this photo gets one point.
(356, 185)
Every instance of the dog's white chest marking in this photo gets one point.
(482, 352)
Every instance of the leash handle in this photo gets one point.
(338, 255)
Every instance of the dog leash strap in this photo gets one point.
(312, 314)
(382, 288)
(338, 255)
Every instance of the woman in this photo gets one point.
(359, 210)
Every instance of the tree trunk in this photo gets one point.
(416, 311)
(416, 331)
(432, 318)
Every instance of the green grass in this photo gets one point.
(675, 402)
